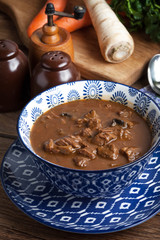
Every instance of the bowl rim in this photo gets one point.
(151, 150)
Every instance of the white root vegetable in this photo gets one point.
(116, 44)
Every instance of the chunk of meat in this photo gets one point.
(61, 142)
(81, 161)
(80, 122)
(66, 145)
(132, 153)
(74, 141)
(91, 114)
(108, 151)
(105, 136)
(66, 149)
(86, 132)
(88, 151)
(50, 146)
(90, 120)
(94, 123)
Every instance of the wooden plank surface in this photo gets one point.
(91, 64)
(87, 53)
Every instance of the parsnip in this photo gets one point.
(116, 44)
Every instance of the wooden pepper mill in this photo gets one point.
(51, 37)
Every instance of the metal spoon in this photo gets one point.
(154, 73)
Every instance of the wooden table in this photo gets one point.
(14, 224)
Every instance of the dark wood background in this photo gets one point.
(14, 224)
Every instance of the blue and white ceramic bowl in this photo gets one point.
(97, 183)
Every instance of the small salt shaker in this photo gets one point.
(54, 68)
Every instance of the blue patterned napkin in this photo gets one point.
(148, 90)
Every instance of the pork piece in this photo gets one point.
(80, 122)
(93, 120)
(88, 151)
(50, 146)
(124, 124)
(66, 149)
(91, 114)
(81, 161)
(105, 136)
(90, 120)
(108, 151)
(125, 113)
(86, 132)
(132, 153)
(66, 145)
(94, 123)
(74, 141)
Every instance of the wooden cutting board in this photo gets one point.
(88, 58)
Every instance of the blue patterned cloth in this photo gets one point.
(148, 90)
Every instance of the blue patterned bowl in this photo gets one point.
(84, 183)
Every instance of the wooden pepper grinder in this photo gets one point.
(51, 37)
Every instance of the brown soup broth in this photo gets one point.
(90, 135)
